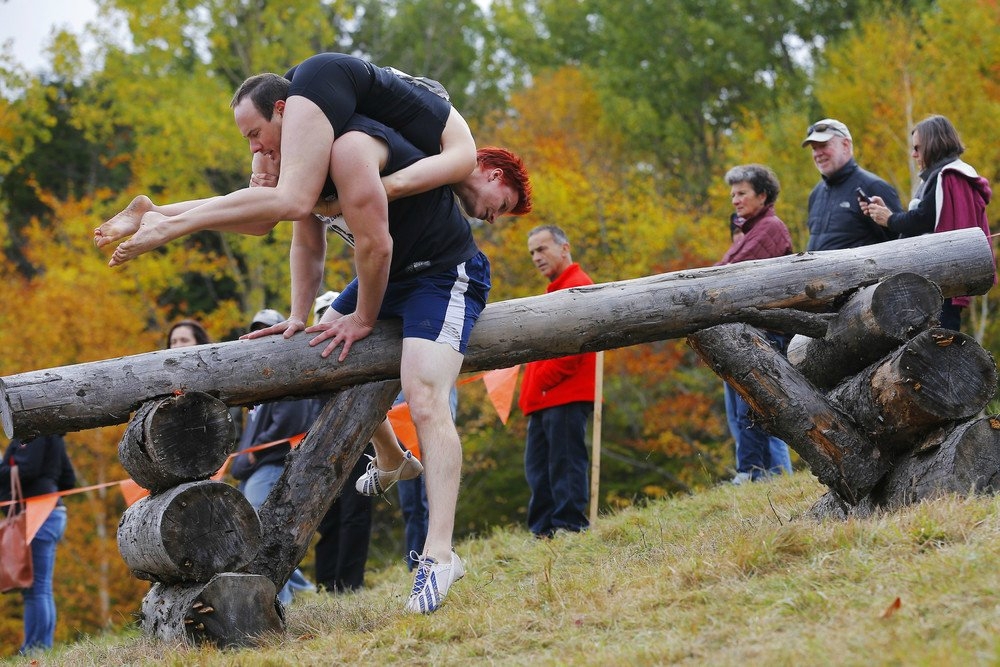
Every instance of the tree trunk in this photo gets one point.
(938, 376)
(230, 610)
(792, 409)
(873, 322)
(314, 475)
(189, 533)
(596, 317)
(960, 459)
(177, 439)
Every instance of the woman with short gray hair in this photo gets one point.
(757, 233)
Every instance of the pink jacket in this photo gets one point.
(764, 236)
(961, 196)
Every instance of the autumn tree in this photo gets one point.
(678, 75)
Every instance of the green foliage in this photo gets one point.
(689, 71)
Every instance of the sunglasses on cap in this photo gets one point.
(824, 127)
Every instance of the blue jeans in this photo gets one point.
(39, 603)
(413, 504)
(757, 451)
(557, 469)
(256, 488)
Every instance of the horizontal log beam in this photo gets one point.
(596, 317)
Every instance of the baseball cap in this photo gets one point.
(266, 318)
(323, 302)
(826, 129)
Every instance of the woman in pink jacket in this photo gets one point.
(757, 234)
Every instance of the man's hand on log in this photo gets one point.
(346, 329)
(289, 327)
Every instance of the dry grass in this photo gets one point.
(730, 576)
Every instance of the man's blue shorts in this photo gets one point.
(441, 307)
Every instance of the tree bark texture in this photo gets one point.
(177, 439)
(230, 610)
(961, 458)
(596, 317)
(936, 377)
(189, 534)
(315, 473)
(792, 409)
(873, 322)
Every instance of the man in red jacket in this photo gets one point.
(557, 395)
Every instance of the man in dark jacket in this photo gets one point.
(835, 217)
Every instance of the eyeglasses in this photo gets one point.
(824, 127)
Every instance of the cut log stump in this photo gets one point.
(937, 377)
(963, 459)
(189, 533)
(875, 320)
(177, 439)
(230, 610)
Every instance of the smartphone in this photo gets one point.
(862, 196)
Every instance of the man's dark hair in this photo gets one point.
(264, 90)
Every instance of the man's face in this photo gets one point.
(549, 257)
(485, 196)
(830, 156)
(264, 135)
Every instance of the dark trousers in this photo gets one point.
(951, 316)
(345, 532)
(556, 467)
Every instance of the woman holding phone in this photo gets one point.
(951, 195)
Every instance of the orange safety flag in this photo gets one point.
(406, 430)
(38, 509)
(131, 491)
(500, 385)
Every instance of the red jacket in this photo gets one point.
(553, 382)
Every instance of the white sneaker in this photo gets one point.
(375, 481)
(431, 583)
(741, 478)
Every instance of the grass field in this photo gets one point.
(729, 576)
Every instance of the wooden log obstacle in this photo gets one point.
(218, 600)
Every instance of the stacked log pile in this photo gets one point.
(216, 571)
(883, 407)
(191, 536)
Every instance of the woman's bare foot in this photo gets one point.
(152, 233)
(125, 223)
